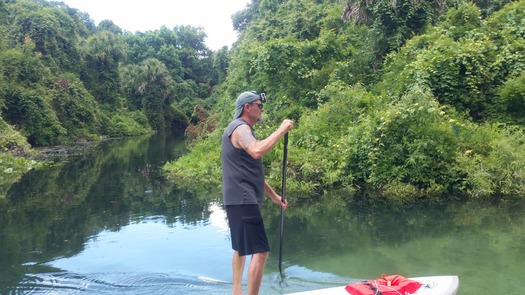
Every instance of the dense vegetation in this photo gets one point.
(403, 101)
(396, 100)
(64, 79)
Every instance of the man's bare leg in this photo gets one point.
(255, 272)
(238, 269)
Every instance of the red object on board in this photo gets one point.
(387, 285)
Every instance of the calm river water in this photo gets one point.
(104, 221)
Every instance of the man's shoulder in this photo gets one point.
(239, 121)
(234, 124)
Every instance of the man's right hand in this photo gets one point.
(286, 125)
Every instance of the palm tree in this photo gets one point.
(149, 87)
(104, 51)
(106, 48)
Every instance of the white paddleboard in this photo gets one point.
(434, 285)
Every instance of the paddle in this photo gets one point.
(283, 195)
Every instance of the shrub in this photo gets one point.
(493, 161)
(128, 124)
(512, 93)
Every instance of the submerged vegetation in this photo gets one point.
(401, 101)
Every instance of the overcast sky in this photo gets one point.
(144, 15)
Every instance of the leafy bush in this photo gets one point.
(200, 171)
(323, 135)
(27, 103)
(127, 124)
(464, 60)
(30, 110)
(512, 94)
(78, 111)
(362, 142)
(414, 144)
(493, 161)
(12, 142)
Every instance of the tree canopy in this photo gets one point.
(67, 80)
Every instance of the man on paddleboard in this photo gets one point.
(244, 187)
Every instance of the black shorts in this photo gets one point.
(247, 229)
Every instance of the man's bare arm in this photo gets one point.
(243, 138)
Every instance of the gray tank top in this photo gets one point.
(242, 175)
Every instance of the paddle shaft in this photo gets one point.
(283, 195)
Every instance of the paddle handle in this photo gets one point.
(285, 160)
(283, 196)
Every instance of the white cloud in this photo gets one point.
(134, 15)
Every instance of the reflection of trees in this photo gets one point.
(348, 228)
(53, 212)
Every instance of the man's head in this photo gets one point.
(248, 98)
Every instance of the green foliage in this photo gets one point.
(150, 88)
(242, 18)
(11, 141)
(30, 111)
(22, 65)
(128, 124)
(414, 145)
(26, 99)
(104, 51)
(64, 74)
(54, 33)
(11, 170)
(505, 28)
(182, 50)
(160, 44)
(108, 25)
(292, 70)
(76, 108)
(220, 62)
(192, 174)
(462, 21)
(324, 132)
(400, 131)
(392, 23)
(383, 105)
(494, 163)
(176, 119)
(400, 150)
(512, 94)
(462, 61)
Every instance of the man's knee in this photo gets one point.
(260, 255)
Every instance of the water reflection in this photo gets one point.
(150, 249)
(483, 244)
(54, 212)
(105, 222)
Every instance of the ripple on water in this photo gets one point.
(119, 283)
